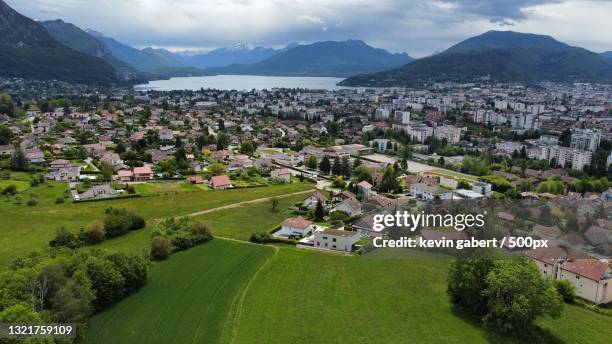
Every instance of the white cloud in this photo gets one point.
(419, 27)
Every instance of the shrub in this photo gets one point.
(260, 237)
(567, 291)
(32, 202)
(160, 248)
(10, 190)
(59, 200)
(64, 238)
(94, 234)
(120, 221)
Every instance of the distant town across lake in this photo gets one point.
(241, 82)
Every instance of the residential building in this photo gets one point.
(281, 174)
(220, 182)
(429, 192)
(585, 139)
(336, 239)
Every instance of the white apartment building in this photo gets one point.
(585, 139)
(419, 133)
(402, 117)
(429, 192)
(578, 159)
(449, 132)
(382, 113)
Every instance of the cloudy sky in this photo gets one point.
(419, 27)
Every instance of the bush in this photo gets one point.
(120, 221)
(10, 190)
(567, 291)
(32, 202)
(64, 238)
(260, 237)
(160, 248)
(93, 235)
(59, 200)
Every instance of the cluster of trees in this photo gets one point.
(507, 294)
(69, 286)
(116, 223)
(176, 234)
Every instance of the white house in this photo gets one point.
(482, 188)
(365, 188)
(281, 174)
(591, 278)
(312, 200)
(350, 206)
(295, 226)
(336, 239)
(429, 192)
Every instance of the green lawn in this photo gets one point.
(187, 299)
(19, 184)
(24, 228)
(152, 189)
(309, 297)
(303, 296)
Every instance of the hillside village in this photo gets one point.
(367, 151)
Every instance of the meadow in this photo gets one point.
(211, 294)
(26, 228)
(187, 299)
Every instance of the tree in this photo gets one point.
(94, 234)
(517, 294)
(5, 135)
(134, 270)
(247, 147)
(466, 281)
(389, 181)
(216, 169)
(347, 167)
(311, 162)
(107, 171)
(545, 217)
(337, 167)
(160, 248)
(65, 238)
(106, 281)
(274, 201)
(19, 161)
(325, 165)
(222, 141)
(319, 212)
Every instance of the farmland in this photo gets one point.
(26, 228)
(187, 298)
(203, 295)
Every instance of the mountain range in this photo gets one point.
(27, 50)
(240, 53)
(499, 55)
(330, 58)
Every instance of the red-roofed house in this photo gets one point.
(220, 182)
(296, 226)
(124, 175)
(143, 173)
(592, 279)
(281, 174)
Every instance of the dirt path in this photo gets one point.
(239, 204)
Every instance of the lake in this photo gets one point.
(241, 82)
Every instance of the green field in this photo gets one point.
(301, 296)
(380, 298)
(188, 299)
(24, 228)
(235, 223)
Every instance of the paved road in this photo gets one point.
(236, 205)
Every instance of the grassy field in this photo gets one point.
(235, 223)
(301, 296)
(187, 299)
(304, 296)
(24, 228)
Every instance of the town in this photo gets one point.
(538, 157)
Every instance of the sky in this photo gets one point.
(418, 27)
